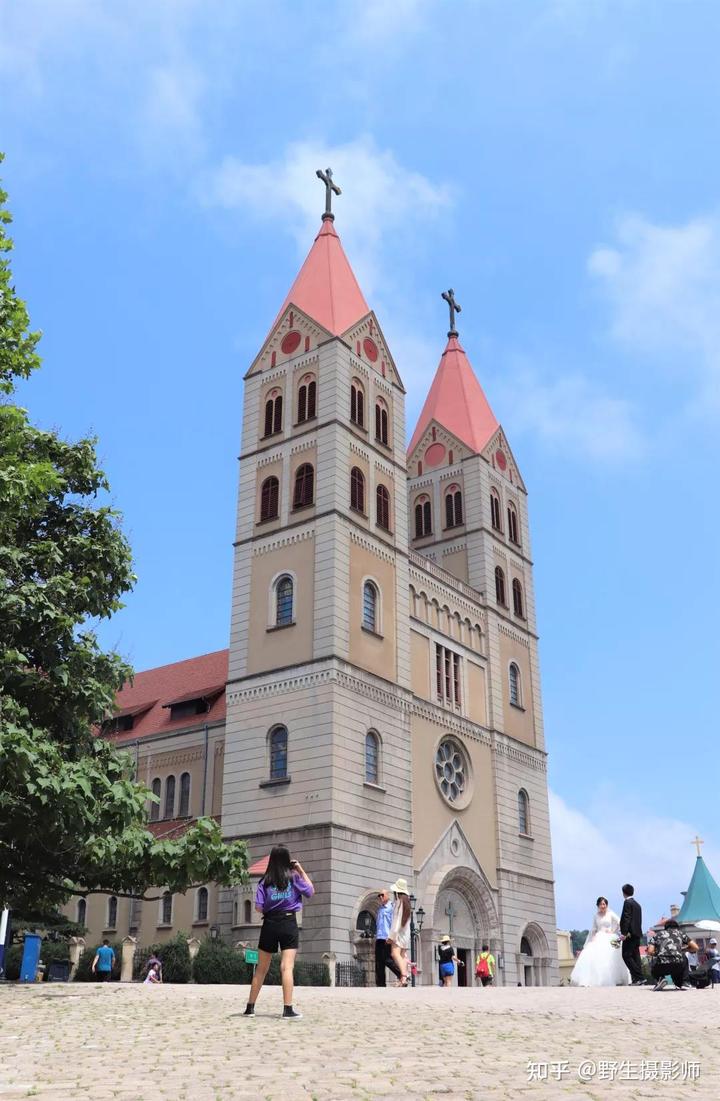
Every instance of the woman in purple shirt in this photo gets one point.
(278, 898)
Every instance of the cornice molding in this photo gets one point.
(285, 540)
(368, 545)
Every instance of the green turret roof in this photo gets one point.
(702, 899)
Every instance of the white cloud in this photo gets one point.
(616, 841)
(663, 283)
(384, 198)
(572, 412)
(386, 24)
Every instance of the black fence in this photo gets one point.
(350, 973)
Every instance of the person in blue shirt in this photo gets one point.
(102, 965)
(383, 953)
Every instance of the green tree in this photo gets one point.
(72, 818)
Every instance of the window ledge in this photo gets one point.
(279, 782)
(110, 929)
(302, 508)
(281, 626)
(359, 512)
(517, 706)
(300, 424)
(370, 631)
(361, 427)
(197, 924)
(383, 443)
(388, 531)
(374, 787)
(270, 435)
(452, 527)
(527, 836)
(164, 925)
(267, 520)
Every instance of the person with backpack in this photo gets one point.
(485, 966)
(279, 897)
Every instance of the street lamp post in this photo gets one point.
(415, 928)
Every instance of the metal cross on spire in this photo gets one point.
(455, 307)
(330, 186)
(697, 842)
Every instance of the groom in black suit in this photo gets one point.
(631, 931)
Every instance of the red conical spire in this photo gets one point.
(457, 401)
(326, 288)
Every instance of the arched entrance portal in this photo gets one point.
(462, 907)
(533, 959)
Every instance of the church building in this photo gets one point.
(378, 709)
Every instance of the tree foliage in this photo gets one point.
(72, 818)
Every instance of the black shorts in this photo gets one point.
(279, 931)
(103, 976)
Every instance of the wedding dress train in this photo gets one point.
(600, 963)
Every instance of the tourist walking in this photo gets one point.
(383, 955)
(485, 966)
(279, 898)
(153, 976)
(713, 962)
(103, 963)
(448, 959)
(399, 935)
(154, 961)
(668, 955)
(631, 932)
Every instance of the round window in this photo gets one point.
(452, 771)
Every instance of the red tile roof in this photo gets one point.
(326, 288)
(202, 676)
(457, 402)
(260, 866)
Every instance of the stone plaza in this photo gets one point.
(135, 1043)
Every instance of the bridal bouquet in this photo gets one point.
(615, 941)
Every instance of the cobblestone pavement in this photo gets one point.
(136, 1043)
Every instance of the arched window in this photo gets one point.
(248, 912)
(357, 489)
(81, 911)
(284, 601)
(273, 414)
(495, 510)
(170, 797)
(372, 757)
(202, 904)
(500, 586)
(514, 682)
(383, 507)
(370, 607)
(155, 807)
(306, 399)
(357, 403)
(166, 907)
(523, 812)
(453, 507)
(517, 598)
(304, 486)
(278, 753)
(184, 808)
(423, 517)
(381, 421)
(513, 529)
(525, 947)
(270, 499)
(112, 907)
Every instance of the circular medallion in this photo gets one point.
(500, 458)
(370, 348)
(435, 454)
(290, 342)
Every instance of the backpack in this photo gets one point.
(482, 970)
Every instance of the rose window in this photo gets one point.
(451, 770)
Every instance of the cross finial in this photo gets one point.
(697, 842)
(455, 307)
(327, 179)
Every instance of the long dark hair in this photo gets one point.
(279, 870)
(405, 908)
(602, 899)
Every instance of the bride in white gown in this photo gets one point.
(600, 963)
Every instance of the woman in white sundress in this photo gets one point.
(399, 935)
(600, 963)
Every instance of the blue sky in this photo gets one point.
(557, 164)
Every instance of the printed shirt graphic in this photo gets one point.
(105, 956)
(670, 945)
(446, 953)
(273, 900)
